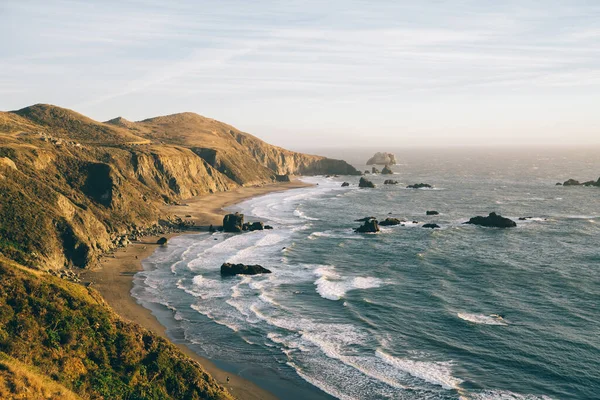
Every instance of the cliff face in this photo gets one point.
(69, 184)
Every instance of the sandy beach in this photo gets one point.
(114, 277)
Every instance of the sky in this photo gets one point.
(318, 73)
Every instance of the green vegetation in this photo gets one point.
(67, 333)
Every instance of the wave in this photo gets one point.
(437, 373)
(301, 214)
(482, 319)
(331, 286)
(505, 395)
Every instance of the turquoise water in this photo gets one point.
(406, 313)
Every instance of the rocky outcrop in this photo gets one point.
(419, 186)
(493, 220)
(382, 159)
(228, 269)
(573, 182)
(432, 212)
(233, 223)
(387, 171)
(254, 226)
(345, 184)
(390, 222)
(365, 183)
(431, 226)
(390, 182)
(370, 226)
(282, 178)
(374, 170)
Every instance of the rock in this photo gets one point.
(558, 184)
(345, 184)
(367, 172)
(228, 269)
(162, 241)
(374, 170)
(256, 226)
(268, 227)
(571, 182)
(233, 222)
(589, 183)
(365, 183)
(282, 178)
(431, 226)
(387, 171)
(432, 213)
(390, 182)
(365, 219)
(390, 222)
(382, 159)
(370, 226)
(493, 220)
(524, 218)
(419, 186)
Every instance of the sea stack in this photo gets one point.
(382, 159)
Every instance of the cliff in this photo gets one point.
(69, 185)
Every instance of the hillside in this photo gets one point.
(70, 185)
(71, 189)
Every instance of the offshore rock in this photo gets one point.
(432, 212)
(370, 226)
(431, 226)
(390, 182)
(493, 220)
(345, 184)
(228, 269)
(382, 159)
(374, 170)
(387, 171)
(365, 183)
(419, 186)
(390, 222)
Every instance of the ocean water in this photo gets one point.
(407, 313)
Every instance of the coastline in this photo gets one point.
(114, 278)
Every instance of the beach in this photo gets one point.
(114, 277)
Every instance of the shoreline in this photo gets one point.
(114, 277)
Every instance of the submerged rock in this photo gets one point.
(390, 182)
(365, 183)
(419, 186)
(380, 158)
(228, 269)
(432, 213)
(370, 226)
(493, 220)
(431, 226)
(345, 184)
(390, 222)
(233, 222)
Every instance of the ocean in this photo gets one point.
(407, 313)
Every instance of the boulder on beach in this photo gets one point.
(162, 241)
(493, 221)
(387, 171)
(256, 226)
(419, 186)
(228, 269)
(382, 158)
(374, 170)
(345, 184)
(432, 212)
(431, 226)
(390, 222)
(390, 182)
(365, 183)
(370, 226)
(233, 222)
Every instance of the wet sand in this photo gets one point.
(114, 278)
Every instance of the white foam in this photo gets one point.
(437, 373)
(301, 214)
(505, 395)
(331, 286)
(482, 319)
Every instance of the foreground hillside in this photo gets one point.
(71, 189)
(69, 185)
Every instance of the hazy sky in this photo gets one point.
(317, 73)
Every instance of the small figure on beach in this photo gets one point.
(227, 378)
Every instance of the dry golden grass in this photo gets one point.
(20, 381)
